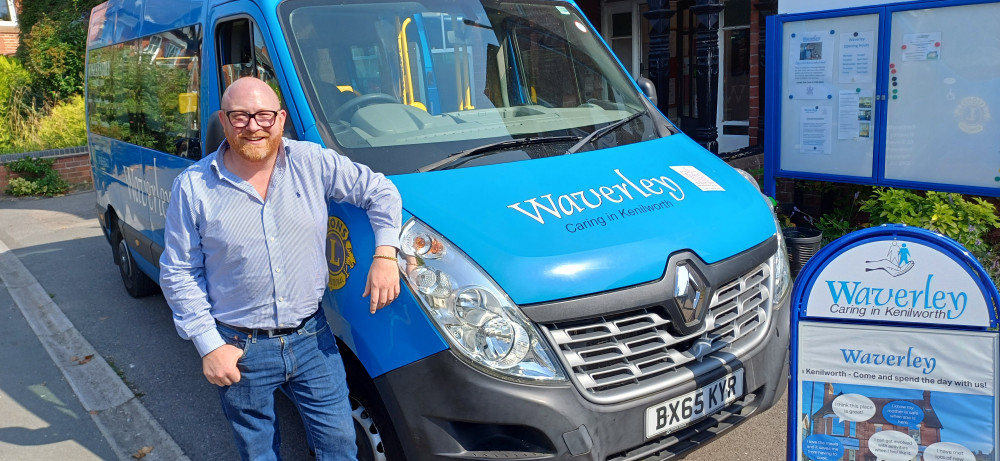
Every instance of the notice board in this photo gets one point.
(903, 95)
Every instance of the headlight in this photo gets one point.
(477, 318)
(779, 261)
(779, 268)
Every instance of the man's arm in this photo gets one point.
(357, 184)
(182, 279)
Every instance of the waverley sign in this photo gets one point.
(894, 351)
(899, 279)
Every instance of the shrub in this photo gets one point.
(63, 127)
(21, 187)
(37, 177)
(968, 221)
(17, 114)
(54, 55)
(33, 11)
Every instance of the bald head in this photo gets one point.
(246, 88)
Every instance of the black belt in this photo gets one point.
(270, 333)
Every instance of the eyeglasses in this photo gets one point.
(240, 119)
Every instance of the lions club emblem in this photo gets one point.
(340, 256)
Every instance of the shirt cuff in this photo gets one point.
(387, 236)
(208, 341)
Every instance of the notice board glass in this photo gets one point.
(903, 95)
(828, 91)
(943, 123)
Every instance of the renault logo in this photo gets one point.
(689, 293)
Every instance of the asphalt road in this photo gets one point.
(59, 240)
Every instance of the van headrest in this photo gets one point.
(214, 133)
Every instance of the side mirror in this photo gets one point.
(646, 85)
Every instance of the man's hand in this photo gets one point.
(383, 279)
(219, 365)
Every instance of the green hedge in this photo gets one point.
(16, 115)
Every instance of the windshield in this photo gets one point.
(400, 85)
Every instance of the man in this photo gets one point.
(244, 269)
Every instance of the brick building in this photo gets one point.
(9, 33)
(855, 435)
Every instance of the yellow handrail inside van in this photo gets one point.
(404, 68)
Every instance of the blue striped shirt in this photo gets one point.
(232, 257)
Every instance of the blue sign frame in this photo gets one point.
(773, 102)
(809, 277)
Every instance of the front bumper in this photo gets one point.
(444, 409)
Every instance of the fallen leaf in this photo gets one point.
(94, 412)
(85, 359)
(142, 452)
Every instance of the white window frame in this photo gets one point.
(13, 15)
(727, 142)
(610, 8)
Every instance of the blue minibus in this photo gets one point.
(580, 279)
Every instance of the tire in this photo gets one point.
(374, 433)
(136, 282)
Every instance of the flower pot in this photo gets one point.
(802, 243)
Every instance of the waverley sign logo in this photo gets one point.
(899, 280)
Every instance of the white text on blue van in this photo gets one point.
(595, 197)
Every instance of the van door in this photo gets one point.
(240, 49)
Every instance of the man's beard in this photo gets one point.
(256, 153)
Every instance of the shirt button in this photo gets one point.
(282, 299)
(278, 270)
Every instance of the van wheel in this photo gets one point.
(374, 434)
(136, 282)
(366, 434)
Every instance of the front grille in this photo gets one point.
(617, 357)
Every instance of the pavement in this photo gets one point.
(59, 399)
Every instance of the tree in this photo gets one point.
(53, 45)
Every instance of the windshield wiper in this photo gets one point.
(492, 147)
(601, 132)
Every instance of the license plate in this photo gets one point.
(681, 411)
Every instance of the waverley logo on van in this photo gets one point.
(545, 206)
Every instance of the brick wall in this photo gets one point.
(756, 79)
(73, 165)
(9, 35)
(8, 41)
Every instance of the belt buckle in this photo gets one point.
(277, 332)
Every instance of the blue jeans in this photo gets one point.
(306, 365)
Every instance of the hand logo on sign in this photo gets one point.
(897, 261)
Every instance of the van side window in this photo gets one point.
(145, 91)
(243, 53)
